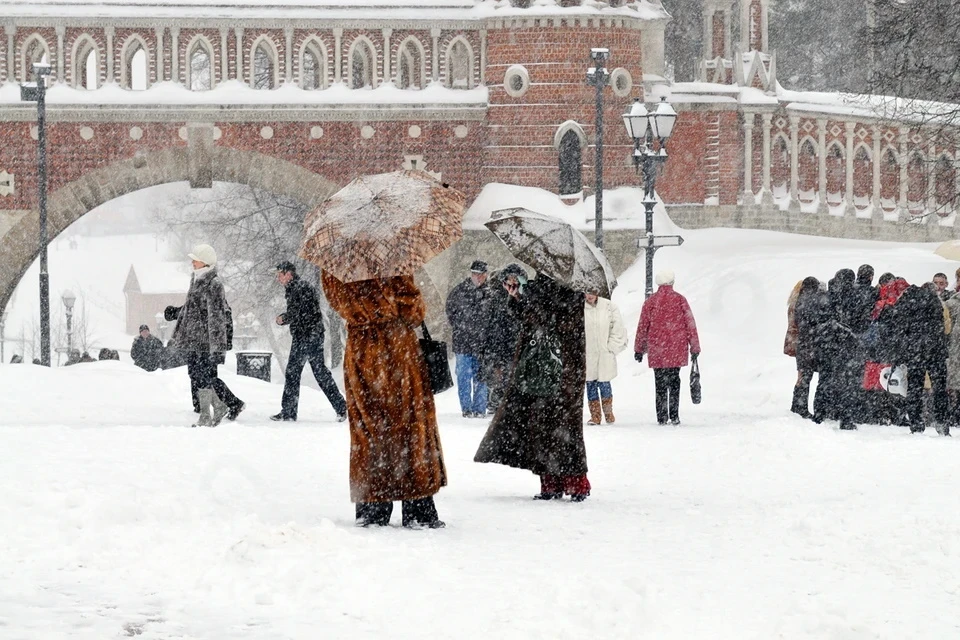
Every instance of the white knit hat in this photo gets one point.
(665, 276)
(204, 253)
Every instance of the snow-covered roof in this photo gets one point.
(234, 92)
(160, 277)
(319, 9)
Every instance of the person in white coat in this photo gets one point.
(606, 337)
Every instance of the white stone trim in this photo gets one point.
(471, 58)
(200, 41)
(570, 125)
(274, 54)
(615, 76)
(26, 71)
(371, 60)
(510, 75)
(83, 45)
(315, 44)
(422, 67)
(127, 51)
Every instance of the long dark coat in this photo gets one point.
(205, 321)
(544, 434)
(395, 449)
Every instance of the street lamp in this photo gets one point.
(37, 92)
(599, 77)
(644, 126)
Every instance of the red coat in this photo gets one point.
(667, 330)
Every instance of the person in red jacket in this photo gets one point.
(665, 333)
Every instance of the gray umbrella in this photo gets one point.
(554, 248)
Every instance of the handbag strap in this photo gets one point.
(695, 368)
(426, 333)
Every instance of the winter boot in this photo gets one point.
(206, 397)
(220, 409)
(799, 405)
(607, 404)
(594, 411)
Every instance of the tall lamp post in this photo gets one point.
(69, 298)
(644, 126)
(37, 92)
(599, 77)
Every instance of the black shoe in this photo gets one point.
(467, 414)
(817, 419)
(433, 524)
(803, 413)
(548, 496)
(917, 429)
(371, 522)
(341, 417)
(282, 418)
(675, 422)
(846, 425)
(235, 411)
(579, 497)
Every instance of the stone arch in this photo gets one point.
(889, 179)
(780, 161)
(570, 125)
(458, 64)
(69, 203)
(134, 44)
(34, 49)
(362, 64)
(571, 163)
(863, 173)
(311, 77)
(264, 60)
(83, 47)
(808, 169)
(410, 64)
(945, 184)
(836, 171)
(200, 64)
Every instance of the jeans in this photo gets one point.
(472, 392)
(597, 390)
(303, 350)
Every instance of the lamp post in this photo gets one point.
(599, 77)
(644, 127)
(36, 92)
(69, 298)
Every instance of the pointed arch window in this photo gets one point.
(410, 65)
(264, 67)
(459, 72)
(86, 64)
(313, 67)
(35, 52)
(201, 67)
(361, 66)
(571, 164)
(134, 74)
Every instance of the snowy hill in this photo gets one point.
(746, 522)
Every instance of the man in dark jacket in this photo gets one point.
(840, 368)
(468, 310)
(502, 334)
(922, 346)
(147, 350)
(305, 320)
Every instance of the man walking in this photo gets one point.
(306, 328)
(467, 308)
(147, 350)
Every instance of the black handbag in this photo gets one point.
(695, 383)
(438, 366)
(540, 366)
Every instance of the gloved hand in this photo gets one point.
(638, 357)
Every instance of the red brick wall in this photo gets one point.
(683, 178)
(719, 35)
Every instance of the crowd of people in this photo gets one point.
(867, 342)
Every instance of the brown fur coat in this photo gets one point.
(395, 449)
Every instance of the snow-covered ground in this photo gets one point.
(746, 522)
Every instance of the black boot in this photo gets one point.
(800, 399)
(421, 514)
(374, 514)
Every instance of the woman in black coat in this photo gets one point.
(539, 424)
(808, 315)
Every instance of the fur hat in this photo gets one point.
(204, 253)
(665, 276)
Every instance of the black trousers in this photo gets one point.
(801, 391)
(303, 350)
(916, 373)
(667, 383)
(202, 370)
(419, 511)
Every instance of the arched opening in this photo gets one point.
(780, 167)
(889, 181)
(410, 64)
(862, 177)
(571, 164)
(134, 73)
(264, 67)
(85, 64)
(808, 172)
(362, 65)
(313, 66)
(917, 185)
(200, 69)
(836, 174)
(35, 51)
(459, 68)
(945, 185)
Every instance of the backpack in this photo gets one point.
(540, 365)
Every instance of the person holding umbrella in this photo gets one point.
(369, 239)
(666, 330)
(539, 425)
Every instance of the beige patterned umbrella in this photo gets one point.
(383, 225)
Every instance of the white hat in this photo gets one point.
(204, 253)
(665, 276)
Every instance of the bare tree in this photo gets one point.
(252, 230)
